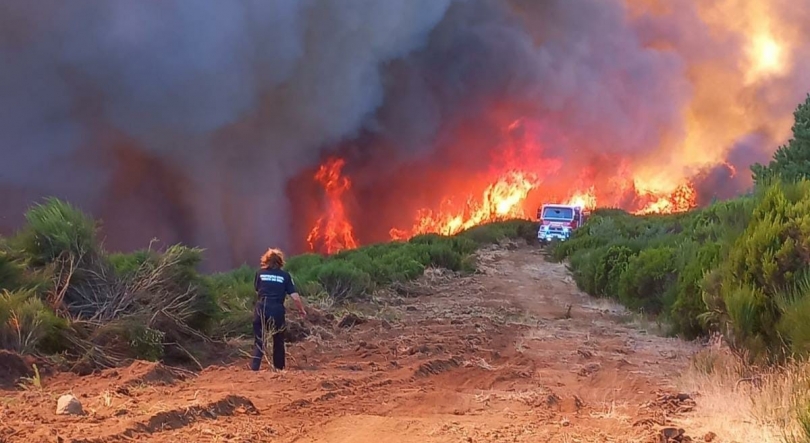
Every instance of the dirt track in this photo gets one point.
(493, 357)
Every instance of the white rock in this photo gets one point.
(68, 405)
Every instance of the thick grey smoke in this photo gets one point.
(229, 98)
(186, 120)
(577, 66)
(734, 176)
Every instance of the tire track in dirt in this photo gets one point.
(514, 353)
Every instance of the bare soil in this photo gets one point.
(512, 354)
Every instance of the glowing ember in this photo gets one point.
(501, 200)
(332, 232)
(683, 199)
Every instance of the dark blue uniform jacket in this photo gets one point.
(273, 286)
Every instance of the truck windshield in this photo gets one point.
(558, 213)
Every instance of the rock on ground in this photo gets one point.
(69, 405)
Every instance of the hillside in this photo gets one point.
(512, 353)
(479, 336)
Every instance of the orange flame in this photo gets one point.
(515, 174)
(585, 200)
(332, 232)
(731, 168)
(501, 200)
(683, 199)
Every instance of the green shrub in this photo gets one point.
(694, 261)
(428, 239)
(609, 268)
(763, 264)
(234, 287)
(461, 244)
(130, 337)
(385, 264)
(722, 221)
(406, 263)
(235, 296)
(343, 281)
(581, 240)
(234, 323)
(444, 256)
(396, 262)
(302, 267)
(776, 243)
(56, 229)
(794, 321)
(312, 290)
(733, 266)
(648, 280)
(495, 232)
(752, 320)
(146, 343)
(169, 280)
(59, 247)
(618, 228)
(127, 265)
(583, 266)
(27, 325)
(11, 273)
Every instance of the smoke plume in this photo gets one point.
(204, 122)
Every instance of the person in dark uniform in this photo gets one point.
(272, 284)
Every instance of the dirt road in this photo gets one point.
(513, 354)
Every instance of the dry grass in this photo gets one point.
(638, 321)
(480, 363)
(612, 411)
(528, 397)
(740, 402)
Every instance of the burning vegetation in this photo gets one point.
(524, 180)
(332, 232)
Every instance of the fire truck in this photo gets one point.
(558, 222)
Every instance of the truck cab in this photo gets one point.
(558, 222)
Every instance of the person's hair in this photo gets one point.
(272, 259)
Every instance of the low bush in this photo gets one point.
(583, 265)
(27, 324)
(609, 269)
(794, 321)
(648, 280)
(127, 265)
(302, 267)
(762, 269)
(56, 230)
(11, 273)
(444, 256)
(63, 292)
(497, 231)
(694, 261)
(659, 263)
(342, 280)
(121, 339)
(356, 273)
(731, 267)
(234, 288)
(235, 299)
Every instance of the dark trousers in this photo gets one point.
(268, 319)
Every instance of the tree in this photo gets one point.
(790, 162)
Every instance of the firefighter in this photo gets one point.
(272, 285)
